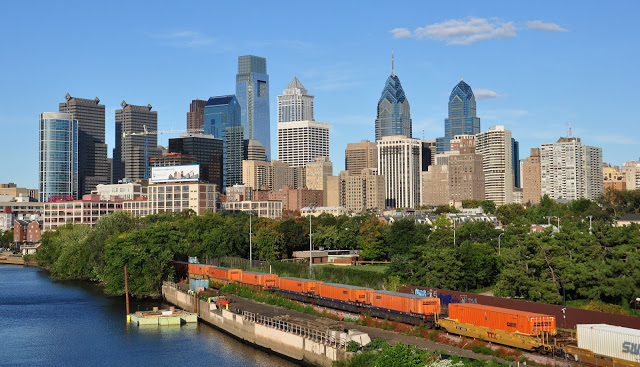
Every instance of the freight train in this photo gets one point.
(520, 329)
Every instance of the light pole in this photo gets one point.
(454, 231)
(312, 206)
(500, 235)
(250, 242)
(590, 217)
(558, 223)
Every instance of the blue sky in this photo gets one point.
(535, 67)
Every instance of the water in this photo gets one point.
(47, 322)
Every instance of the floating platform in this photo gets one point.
(171, 316)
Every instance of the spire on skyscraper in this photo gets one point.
(394, 117)
(393, 69)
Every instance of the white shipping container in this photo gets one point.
(612, 341)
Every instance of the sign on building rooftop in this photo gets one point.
(189, 172)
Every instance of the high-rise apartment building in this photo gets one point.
(207, 151)
(93, 168)
(613, 177)
(132, 152)
(435, 186)
(570, 170)
(462, 116)
(497, 162)
(466, 175)
(301, 142)
(362, 191)
(317, 173)
(428, 154)
(531, 178)
(295, 103)
(271, 175)
(58, 176)
(394, 113)
(631, 171)
(358, 156)
(222, 120)
(195, 116)
(400, 162)
(252, 91)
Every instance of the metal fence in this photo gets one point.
(296, 329)
(237, 262)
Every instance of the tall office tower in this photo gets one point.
(301, 142)
(295, 103)
(466, 175)
(428, 154)
(222, 120)
(497, 164)
(58, 176)
(132, 152)
(359, 192)
(207, 151)
(531, 178)
(462, 116)
(400, 162)
(358, 156)
(252, 91)
(253, 150)
(435, 186)
(394, 113)
(93, 168)
(515, 146)
(631, 171)
(195, 116)
(570, 170)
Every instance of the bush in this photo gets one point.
(353, 346)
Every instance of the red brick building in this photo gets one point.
(291, 199)
(26, 232)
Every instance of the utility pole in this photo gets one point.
(312, 207)
(126, 292)
(250, 242)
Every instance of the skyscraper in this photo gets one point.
(93, 168)
(515, 147)
(295, 103)
(394, 113)
(195, 116)
(358, 156)
(58, 176)
(462, 118)
(300, 142)
(131, 153)
(531, 178)
(570, 170)
(252, 91)
(497, 163)
(400, 162)
(222, 120)
(207, 151)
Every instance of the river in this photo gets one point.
(48, 322)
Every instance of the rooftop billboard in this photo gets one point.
(189, 172)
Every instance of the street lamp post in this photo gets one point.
(500, 235)
(250, 241)
(454, 231)
(590, 218)
(312, 206)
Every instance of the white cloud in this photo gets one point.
(486, 94)
(400, 33)
(466, 31)
(542, 26)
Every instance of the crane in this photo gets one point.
(146, 134)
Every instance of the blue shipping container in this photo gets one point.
(195, 283)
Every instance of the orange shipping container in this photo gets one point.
(224, 273)
(197, 269)
(342, 292)
(505, 319)
(298, 285)
(263, 279)
(405, 302)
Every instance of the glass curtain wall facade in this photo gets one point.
(394, 113)
(462, 118)
(222, 120)
(58, 174)
(252, 92)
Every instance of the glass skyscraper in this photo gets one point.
(394, 114)
(252, 91)
(462, 116)
(58, 174)
(222, 120)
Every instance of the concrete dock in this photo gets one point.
(163, 317)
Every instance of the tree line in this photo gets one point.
(601, 263)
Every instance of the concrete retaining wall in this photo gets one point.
(278, 341)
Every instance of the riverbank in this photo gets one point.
(11, 259)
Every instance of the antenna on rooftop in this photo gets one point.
(422, 134)
(570, 134)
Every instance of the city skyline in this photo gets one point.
(532, 71)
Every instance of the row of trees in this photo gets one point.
(576, 263)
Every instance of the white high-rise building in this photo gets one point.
(570, 170)
(631, 171)
(295, 103)
(400, 162)
(497, 164)
(300, 142)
